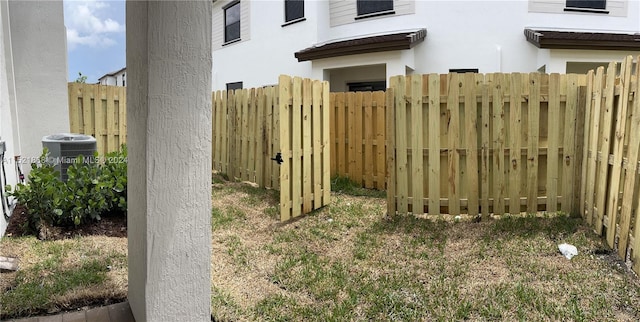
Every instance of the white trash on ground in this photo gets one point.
(568, 250)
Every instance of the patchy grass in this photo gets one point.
(62, 274)
(344, 185)
(348, 261)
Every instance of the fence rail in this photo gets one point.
(99, 111)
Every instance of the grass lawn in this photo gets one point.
(348, 261)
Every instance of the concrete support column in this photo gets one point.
(169, 139)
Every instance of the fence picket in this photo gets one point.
(401, 146)
(515, 110)
(498, 143)
(629, 186)
(368, 160)
(417, 189)
(380, 137)
(553, 142)
(605, 146)
(434, 144)
(618, 147)
(471, 138)
(533, 141)
(453, 132)
(569, 144)
(307, 147)
(485, 162)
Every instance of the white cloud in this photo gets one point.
(87, 24)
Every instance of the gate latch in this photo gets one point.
(278, 159)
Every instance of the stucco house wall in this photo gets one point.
(33, 81)
(487, 35)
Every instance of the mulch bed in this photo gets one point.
(109, 225)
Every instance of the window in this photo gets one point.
(463, 70)
(232, 22)
(293, 10)
(367, 86)
(587, 4)
(367, 7)
(233, 86)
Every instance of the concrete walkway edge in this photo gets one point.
(120, 312)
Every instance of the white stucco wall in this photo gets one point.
(40, 75)
(488, 35)
(270, 50)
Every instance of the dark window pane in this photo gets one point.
(463, 70)
(373, 6)
(367, 86)
(232, 86)
(293, 9)
(587, 4)
(232, 22)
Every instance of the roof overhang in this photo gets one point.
(557, 39)
(363, 45)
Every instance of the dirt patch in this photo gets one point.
(109, 225)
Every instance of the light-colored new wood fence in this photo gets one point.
(358, 137)
(246, 135)
(474, 143)
(99, 111)
(610, 193)
(277, 137)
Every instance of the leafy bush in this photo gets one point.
(94, 187)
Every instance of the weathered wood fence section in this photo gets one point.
(358, 137)
(277, 137)
(99, 111)
(474, 143)
(610, 193)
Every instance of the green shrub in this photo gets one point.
(92, 190)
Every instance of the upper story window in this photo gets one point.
(368, 7)
(232, 22)
(587, 4)
(293, 10)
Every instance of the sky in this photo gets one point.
(95, 37)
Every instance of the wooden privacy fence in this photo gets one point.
(99, 111)
(277, 137)
(473, 143)
(358, 137)
(610, 194)
(246, 135)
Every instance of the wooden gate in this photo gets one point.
(277, 137)
(304, 145)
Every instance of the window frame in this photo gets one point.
(363, 12)
(239, 22)
(597, 6)
(296, 19)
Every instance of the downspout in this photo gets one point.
(17, 150)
